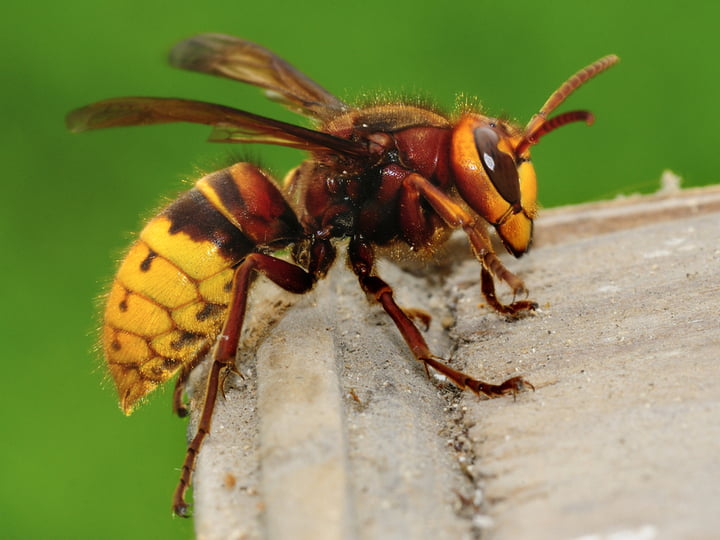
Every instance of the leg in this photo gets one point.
(362, 258)
(179, 407)
(456, 216)
(419, 317)
(488, 289)
(288, 276)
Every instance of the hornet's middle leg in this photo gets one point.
(362, 261)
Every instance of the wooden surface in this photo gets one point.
(335, 432)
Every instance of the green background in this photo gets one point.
(71, 465)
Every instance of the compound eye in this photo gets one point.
(499, 166)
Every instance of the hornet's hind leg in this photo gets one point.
(288, 276)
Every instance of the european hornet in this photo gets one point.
(393, 173)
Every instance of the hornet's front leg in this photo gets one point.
(455, 216)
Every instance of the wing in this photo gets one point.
(234, 58)
(231, 125)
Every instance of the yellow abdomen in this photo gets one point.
(165, 309)
(169, 299)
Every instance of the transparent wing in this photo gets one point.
(235, 58)
(231, 125)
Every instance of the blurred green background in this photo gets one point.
(71, 465)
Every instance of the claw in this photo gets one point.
(182, 509)
(513, 386)
(233, 368)
(180, 410)
(227, 370)
(513, 309)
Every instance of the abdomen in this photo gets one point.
(168, 302)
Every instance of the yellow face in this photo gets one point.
(498, 184)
